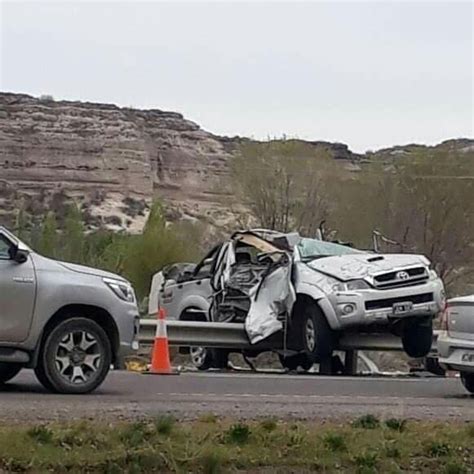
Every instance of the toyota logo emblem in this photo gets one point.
(403, 275)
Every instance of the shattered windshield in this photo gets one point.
(311, 249)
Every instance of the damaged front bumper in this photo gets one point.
(372, 306)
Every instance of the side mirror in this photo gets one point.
(18, 255)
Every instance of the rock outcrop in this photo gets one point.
(113, 161)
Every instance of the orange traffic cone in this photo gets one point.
(160, 361)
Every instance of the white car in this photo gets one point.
(309, 290)
(456, 339)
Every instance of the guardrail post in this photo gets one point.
(350, 362)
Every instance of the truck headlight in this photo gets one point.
(352, 285)
(122, 289)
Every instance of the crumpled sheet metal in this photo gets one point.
(275, 296)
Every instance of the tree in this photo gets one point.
(424, 201)
(73, 235)
(136, 257)
(285, 183)
(160, 244)
(48, 237)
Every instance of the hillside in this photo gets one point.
(114, 160)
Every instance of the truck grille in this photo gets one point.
(408, 277)
(389, 302)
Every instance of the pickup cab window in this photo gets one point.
(4, 248)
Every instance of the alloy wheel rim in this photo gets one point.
(198, 355)
(78, 357)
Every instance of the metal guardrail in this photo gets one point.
(198, 333)
(233, 336)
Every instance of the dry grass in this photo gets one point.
(166, 445)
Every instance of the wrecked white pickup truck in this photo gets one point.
(309, 290)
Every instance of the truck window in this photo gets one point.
(4, 248)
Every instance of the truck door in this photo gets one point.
(17, 294)
(191, 291)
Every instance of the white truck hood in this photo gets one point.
(356, 266)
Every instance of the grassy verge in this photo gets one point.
(210, 446)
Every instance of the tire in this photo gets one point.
(467, 379)
(8, 371)
(289, 362)
(295, 361)
(432, 365)
(75, 357)
(201, 358)
(313, 335)
(417, 337)
(220, 358)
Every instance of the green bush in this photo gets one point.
(134, 434)
(366, 462)
(454, 467)
(335, 442)
(368, 422)
(396, 424)
(212, 462)
(438, 449)
(269, 424)
(238, 433)
(164, 425)
(136, 257)
(41, 434)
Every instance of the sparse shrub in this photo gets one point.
(80, 434)
(134, 434)
(368, 422)
(470, 429)
(46, 98)
(295, 439)
(335, 442)
(396, 424)
(269, 424)
(437, 449)
(208, 418)
(366, 462)
(69, 439)
(41, 434)
(212, 462)
(392, 451)
(164, 425)
(238, 433)
(454, 467)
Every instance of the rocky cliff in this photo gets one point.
(113, 161)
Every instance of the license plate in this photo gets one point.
(402, 308)
(467, 357)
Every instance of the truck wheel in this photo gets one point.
(8, 371)
(417, 337)
(290, 362)
(201, 358)
(220, 358)
(467, 380)
(295, 361)
(432, 365)
(314, 336)
(75, 357)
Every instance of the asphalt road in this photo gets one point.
(127, 395)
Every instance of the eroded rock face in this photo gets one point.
(112, 160)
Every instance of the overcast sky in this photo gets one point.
(369, 74)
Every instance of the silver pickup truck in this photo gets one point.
(310, 290)
(67, 322)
